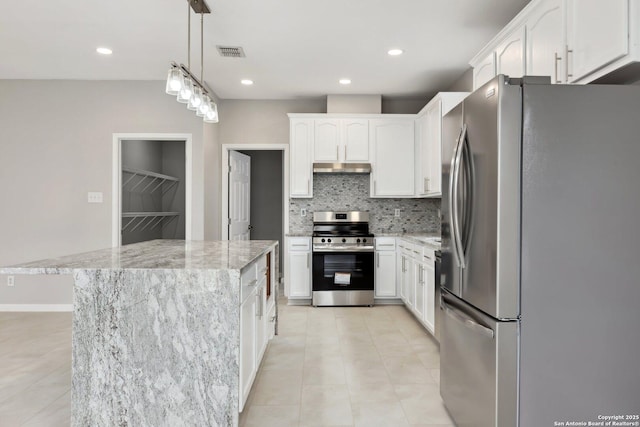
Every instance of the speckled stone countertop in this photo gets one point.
(420, 238)
(156, 254)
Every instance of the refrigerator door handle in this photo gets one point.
(466, 321)
(469, 193)
(455, 209)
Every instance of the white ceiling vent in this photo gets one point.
(231, 51)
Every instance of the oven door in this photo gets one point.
(343, 271)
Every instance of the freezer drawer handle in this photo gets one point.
(468, 322)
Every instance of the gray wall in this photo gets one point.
(464, 82)
(267, 196)
(56, 142)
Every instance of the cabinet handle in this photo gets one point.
(566, 68)
(337, 153)
(300, 244)
(309, 256)
(308, 187)
(253, 282)
(374, 188)
(378, 260)
(345, 152)
(556, 60)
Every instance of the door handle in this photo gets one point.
(467, 321)
(567, 51)
(556, 60)
(453, 200)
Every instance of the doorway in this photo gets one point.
(268, 190)
(152, 196)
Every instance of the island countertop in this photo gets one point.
(154, 255)
(157, 332)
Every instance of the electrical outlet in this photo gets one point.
(396, 213)
(94, 197)
(303, 212)
(11, 281)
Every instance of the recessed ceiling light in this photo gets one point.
(395, 52)
(104, 51)
(345, 81)
(246, 82)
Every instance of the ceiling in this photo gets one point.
(294, 48)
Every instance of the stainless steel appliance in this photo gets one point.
(343, 259)
(540, 292)
(437, 319)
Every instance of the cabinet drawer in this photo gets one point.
(385, 243)
(248, 281)
(428, 254)
(261, 268)
(299, 244)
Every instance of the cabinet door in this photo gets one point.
(355, 140)
(300, 274)
(434, 150)
(418, 304)
(408, 281)
(385, 274)
(510, 54)
(301, 161)
(261, 323)
(597, 34)
(429, 296)
(326, 140)
(400, 264)
(484, 71)
(545, 47)
(393, 158)
(422, 154)
(247, 347)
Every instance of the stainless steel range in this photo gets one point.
(343, 259)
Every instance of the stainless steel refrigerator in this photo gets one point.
(541, 254)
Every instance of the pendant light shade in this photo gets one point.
(196, 99)
(174, 81)
(204, 106)
(187, 90)
(212, 114)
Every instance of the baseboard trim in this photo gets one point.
(37, 307)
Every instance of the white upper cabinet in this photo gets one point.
(326, 140)
(544, 41)
(301, 159)
(429, 142)
(484, 70)
(510, 54)
(571, 41)
(355, 140)
(392, 163)
(597, 34)
(341, 140)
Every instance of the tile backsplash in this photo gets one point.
(343, 192)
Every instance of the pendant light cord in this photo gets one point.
(201, 47)
(188, 36)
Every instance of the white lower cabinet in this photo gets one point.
(254, 323)
(298, 268)
(385, 274)
(415, 275)
(248, 330)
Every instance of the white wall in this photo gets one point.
(55, 146)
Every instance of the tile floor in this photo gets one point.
(35, 369)
(328, 367)
(356, 366)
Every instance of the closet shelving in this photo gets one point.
(146, 182)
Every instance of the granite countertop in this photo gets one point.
(420, 238)
(154, 255)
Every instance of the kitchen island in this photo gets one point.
(157, 330)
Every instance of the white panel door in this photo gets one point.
(239, 196)
(355, 140)
(510, 55)
(301, 160)
(385, 274)
(326, 145)
(484, 71)
(545, 46)
(597, 34)
(300, 274)
(418, 304)
(393, 167)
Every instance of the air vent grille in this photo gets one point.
(231, 51)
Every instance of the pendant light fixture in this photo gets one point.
(181, 82)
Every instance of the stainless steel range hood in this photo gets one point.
(342, 168)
